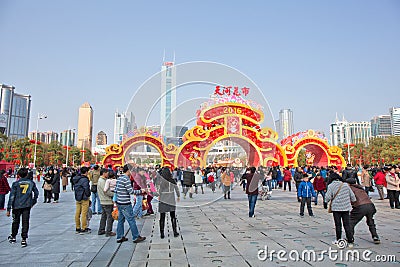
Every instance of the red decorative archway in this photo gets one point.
(318, 151)
(116, 154)
(237, 122)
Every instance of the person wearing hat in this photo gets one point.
(305, 192)
(362, 207)
(341, 196)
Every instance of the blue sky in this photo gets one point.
(315, 57)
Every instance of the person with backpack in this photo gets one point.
(82, 195)
(23, 197)
(94, 176)
(211, 179)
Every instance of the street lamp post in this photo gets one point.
(68, 133)
(40, 117)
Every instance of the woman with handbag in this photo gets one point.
(47, 186)
(341, 196)
(167, 190)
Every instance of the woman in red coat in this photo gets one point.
(380, 181)
(4, 189)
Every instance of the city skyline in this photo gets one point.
(322, 58)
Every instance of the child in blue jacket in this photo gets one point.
(305, 192)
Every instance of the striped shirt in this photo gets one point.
(342, 201)
(124, 190)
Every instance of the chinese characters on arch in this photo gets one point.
(231, 90)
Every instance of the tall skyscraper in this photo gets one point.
(168, 99)
(285, 127)
(123, 123)
(14, 112)
(67, 138)
(101, 139)
(381, 126)
(395, 121)
(85, 126)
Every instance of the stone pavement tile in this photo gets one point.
(199, 260)
(216, 250)
(202, 237)
(79, 257)
(141, 252)
(38, 264)
(158, 263)
(159, 254)
(179, 262)
(178, 253)
(79, 264)
(250, 235)
(124, 253)
(159, 246)
(28, 258)
(139, 264)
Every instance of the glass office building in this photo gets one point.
(14, 112)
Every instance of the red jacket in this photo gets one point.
(319, 184)
(287, 175)
(4, 186)
(380, 179)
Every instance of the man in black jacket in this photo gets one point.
(350, 173)
(188, 181)
(298, 178)
(82, 194)
(21, 201)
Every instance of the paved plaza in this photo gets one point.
(214, 232)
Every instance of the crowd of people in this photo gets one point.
(109, 192)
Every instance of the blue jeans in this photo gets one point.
(323, 196)
(252, 204)
(137, 209)
(126, 212)
(2, 201)
(96, 199)
(273, 184)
